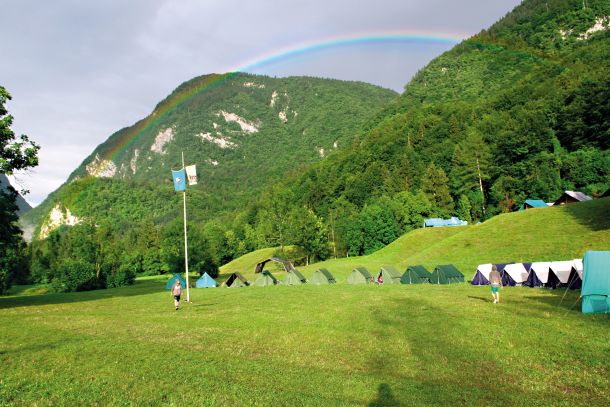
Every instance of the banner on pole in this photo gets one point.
(191, 174)
(179, 180)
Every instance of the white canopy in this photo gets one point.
(484, 269)
(541, 269)
(517, 272)
(562, 270)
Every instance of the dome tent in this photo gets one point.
(446, 274)
(172, 281)
(360, 275)
(322, 276)
(265, 279)
(416, 275)
(388, 275)
(205, 281)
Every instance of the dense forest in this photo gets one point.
(519, 111)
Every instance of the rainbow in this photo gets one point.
(125, 138)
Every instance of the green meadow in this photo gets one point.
(317, 346)
(336, 345)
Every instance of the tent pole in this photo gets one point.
(568, 287)
(186, 259)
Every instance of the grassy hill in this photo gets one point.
(554, 233)
(338, 345)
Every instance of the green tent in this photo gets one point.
(294, 277)
(446, 274)
(322, 276)
(236, 280)
(360, 275)
(595, 291)
(388, 275)
(172, 281)
(416, 275)
(265, 279)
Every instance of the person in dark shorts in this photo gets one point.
(496, 282)
(176, 292)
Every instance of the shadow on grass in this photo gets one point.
(139, 288)
(594, 214)
(441, 352)
(559, 299)
(385, 397)
(490, 300)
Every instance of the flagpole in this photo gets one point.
(186, 259)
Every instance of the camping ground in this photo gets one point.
(327, 345)
(306, 345)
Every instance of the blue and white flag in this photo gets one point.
(179, 180)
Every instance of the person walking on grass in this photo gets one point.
(176, 292)
(495, 279)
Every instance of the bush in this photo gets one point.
(75, 275)
(125, 275)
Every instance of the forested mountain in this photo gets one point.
(242, 131)
(521, 110)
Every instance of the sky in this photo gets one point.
(80, 70)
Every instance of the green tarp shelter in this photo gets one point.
(446, 274)
(360, 275)
(236, 280)
(265, 279)
(388, 275)
(294, 277)
(416, 275)
(322, 276)
(595, 291)
(172, 281)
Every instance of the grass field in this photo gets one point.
(337, 345)
(319, 346)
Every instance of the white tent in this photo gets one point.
(541, 270)
(517, 272)
(481, 276)
(562, 270)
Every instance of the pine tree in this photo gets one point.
(436, 187)
(470, 165)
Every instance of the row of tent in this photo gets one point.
(591, 275)
(443, 274)
(550, 274)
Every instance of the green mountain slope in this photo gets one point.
(243, 132)
(555, 233)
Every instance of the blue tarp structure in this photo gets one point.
(438, 222)
(595, 291)
(205, 281)
(533, 203)
(172, 281)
